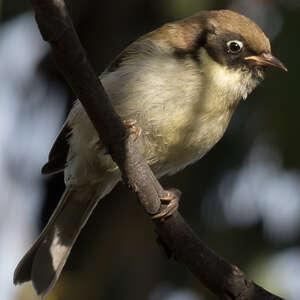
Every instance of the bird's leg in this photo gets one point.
(131, 129)
(170, 204)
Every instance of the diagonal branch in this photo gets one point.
(56, 27)
(222, 278)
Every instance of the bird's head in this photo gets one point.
(230, 40)
(237, 42)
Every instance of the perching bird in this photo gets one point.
(181, 83)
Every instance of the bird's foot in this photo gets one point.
(170, 204)
(132, 129)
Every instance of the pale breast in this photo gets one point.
(181, 107)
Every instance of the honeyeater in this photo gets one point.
(181, 84)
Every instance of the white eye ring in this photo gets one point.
(234, 46)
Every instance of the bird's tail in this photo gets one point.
(43, 263)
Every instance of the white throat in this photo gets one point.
(225, 86)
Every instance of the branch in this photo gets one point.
(222, 278)
(56, 27)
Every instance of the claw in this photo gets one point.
(168, 197)
(131, 129)
(129, 123)
(137, 132)
(172, 198)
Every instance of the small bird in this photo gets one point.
(180, 84)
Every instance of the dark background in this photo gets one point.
(242, 198)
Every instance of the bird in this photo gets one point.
(179, 84)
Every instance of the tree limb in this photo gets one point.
(222, 278)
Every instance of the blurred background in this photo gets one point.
(243, 198)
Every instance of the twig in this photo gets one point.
(222, 278)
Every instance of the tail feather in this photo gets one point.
(43, 263)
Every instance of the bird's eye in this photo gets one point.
(234, 46)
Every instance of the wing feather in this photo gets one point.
(58, 154)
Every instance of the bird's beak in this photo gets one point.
(266, 60)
